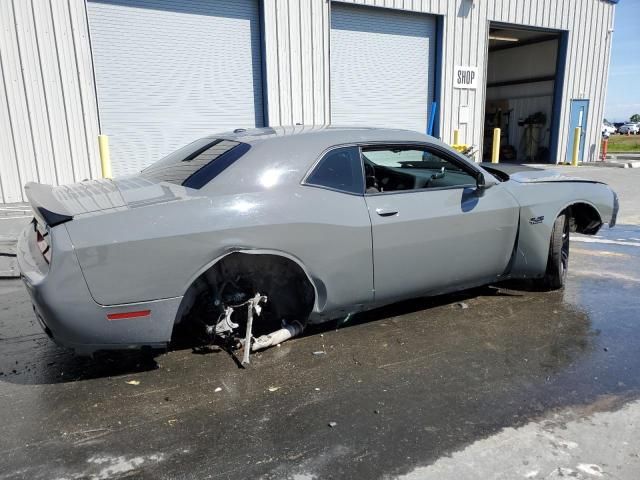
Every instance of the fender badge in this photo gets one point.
(536, 220)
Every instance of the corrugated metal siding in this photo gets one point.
(169, 73)
(48, 111)
(296, 39)
(48, 116)
(465, 34)
(382, 67)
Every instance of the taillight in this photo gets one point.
(43, 244)
(128, 315)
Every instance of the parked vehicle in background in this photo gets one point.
(629, 128)
(608, 129)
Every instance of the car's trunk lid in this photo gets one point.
(55, 205)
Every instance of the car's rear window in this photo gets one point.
(196, 164)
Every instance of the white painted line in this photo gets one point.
(609, 275)
(22, 216)
(603, 240)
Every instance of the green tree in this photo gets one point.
(635, 118)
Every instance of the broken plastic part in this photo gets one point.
(287, 331)
(345, 319)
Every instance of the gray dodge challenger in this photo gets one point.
(249, 236)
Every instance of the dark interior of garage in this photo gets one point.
(521, 78)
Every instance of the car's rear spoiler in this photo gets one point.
(45, 206)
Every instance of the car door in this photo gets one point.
(336, 241)
(433, 230)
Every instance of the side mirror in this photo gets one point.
(481, 184)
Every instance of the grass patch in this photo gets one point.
(624, 143)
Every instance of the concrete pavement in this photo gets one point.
(492, 383)
(13, 219)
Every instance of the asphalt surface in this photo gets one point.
(496, 382)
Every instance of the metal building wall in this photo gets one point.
(296, 43)
(48, 113)
(297, 49)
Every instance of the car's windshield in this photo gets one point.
(197, 163)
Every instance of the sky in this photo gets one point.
(623, 93)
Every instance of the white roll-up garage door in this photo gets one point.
(170, 71)
(382, 67)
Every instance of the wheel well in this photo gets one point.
(584, 218)
(290, 293)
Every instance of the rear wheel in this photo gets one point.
(558, 262)
(233, 281)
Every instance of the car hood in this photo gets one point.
(545, 176)
(527, 174)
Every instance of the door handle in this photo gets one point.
(386, 212)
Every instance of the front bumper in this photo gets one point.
(67, 312)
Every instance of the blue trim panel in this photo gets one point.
(437, 86)
(558, 86)
(263, 66)
(577, 104)
(432, 117)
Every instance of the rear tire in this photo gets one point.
(558, 262)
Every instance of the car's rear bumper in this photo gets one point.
(67, 312)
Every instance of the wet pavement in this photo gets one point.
(405, 385)
(13, 219)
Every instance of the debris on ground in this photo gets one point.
(133, 382)
(462, 305)
(332, 424)
(319, 352)
(288, 330)
(273, 389)
(218, 389)
(590, 469)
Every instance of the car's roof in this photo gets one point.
(292, 151)
(327, 134)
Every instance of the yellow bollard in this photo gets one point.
(456, 142)
(495, 148)
(576, 146)
(105, 158)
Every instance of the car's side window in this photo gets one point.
(389, 169)
(340, 169)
